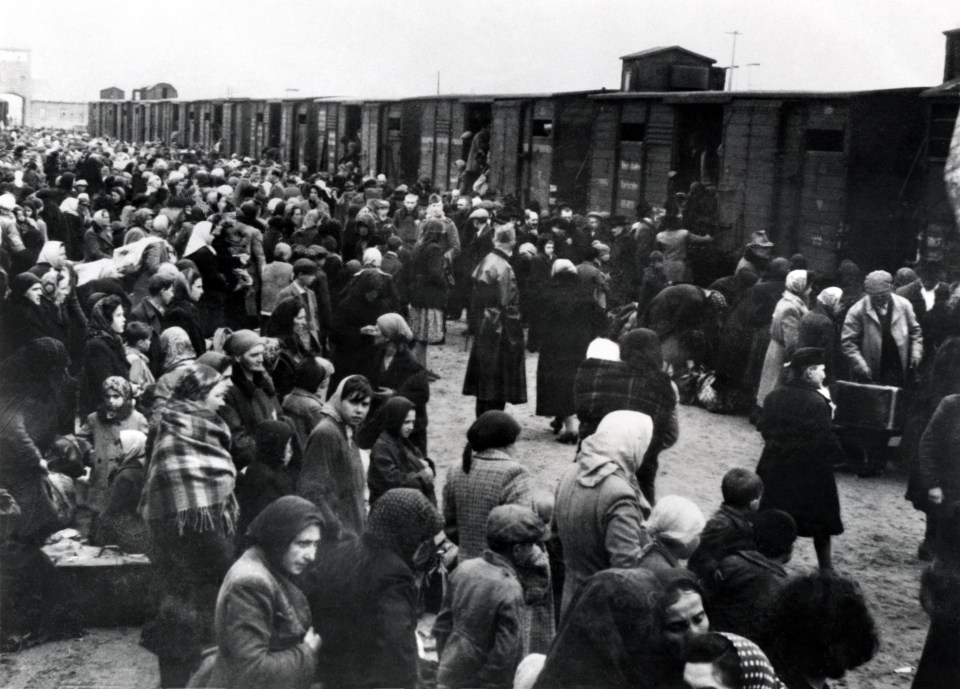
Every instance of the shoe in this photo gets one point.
(433, 375)
(870, 472)
(925, 552)
(556, 425)
(567, 438)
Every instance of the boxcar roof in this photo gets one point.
(665, 49)
(947, 88)
(727, 96)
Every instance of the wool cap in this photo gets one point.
(514, 524)
(241, 342)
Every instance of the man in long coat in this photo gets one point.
(495, 371)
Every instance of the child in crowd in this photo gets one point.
(729, 528)
(304, 404)
(120, 522)
(136, 337)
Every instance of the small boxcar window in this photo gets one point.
(393, 124)
(206, 117)
(542, 127)
(259, 118)
(301, 118)
(633, 131)
(824, 140)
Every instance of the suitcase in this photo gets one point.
(861, 405)
(107, 587)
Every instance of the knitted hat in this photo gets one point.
(241, 342)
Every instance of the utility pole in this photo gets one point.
(749, 72)
(733, 56)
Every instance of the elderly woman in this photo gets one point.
(569, 319)
(395, 462)
(189, 505)
(784, 331)
(428, 289)
(262, 620)
(799, 451)
(599, 506)
(103, 354)
(674, 526)
(487, 477)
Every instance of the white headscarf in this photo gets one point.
(562, 265)
(797, 282)
(372, 258)
(69, 205)
(676, 519)
(617, 447)
(201, 236)
(50, 253)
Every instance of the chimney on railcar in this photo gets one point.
(951, 63)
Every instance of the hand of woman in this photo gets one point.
(935, 496)
(312, 640)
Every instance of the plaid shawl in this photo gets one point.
(191, 476)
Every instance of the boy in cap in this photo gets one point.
(478, 630)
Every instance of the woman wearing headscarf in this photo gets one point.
(723, 659)
(629, 628)
(487, 477)
(363, 594)
(23, 318)
(599, 506)
(820, 327)
(73, 228)
(200, 249)
(262, 621)
(52, 255)
(784, 332)
(271, 474)
(674, 527)
(31, 383)
(397, 372)
(569, 318)
(120, 523)
(103, 354)
(428, 289)
(183, 311)
(178, 355)
(102, 429)
(288, 323)
(98, 239)
(189, 505)
(395, 462)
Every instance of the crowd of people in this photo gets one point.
(224, 364)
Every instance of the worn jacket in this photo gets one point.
(739, 591)
(862, 337)
(478, 629)
(247, 403)
(304, 410)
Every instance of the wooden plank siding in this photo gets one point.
(604, 158)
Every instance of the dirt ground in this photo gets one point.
(878, 548)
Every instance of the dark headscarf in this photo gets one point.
(272, 438)
(401, 519)
(641, 346)
(101, 317)
(281, 320)
(492, 429)
(43, 362)
(279, 523)
(21, 283)
(394, 413)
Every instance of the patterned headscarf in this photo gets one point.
(756, 671)
(122, 387)
(101, 317)
(401, 520)
(176, 347)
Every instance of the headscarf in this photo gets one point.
(394, 413)
(274, 529)
(100, 322)
(372, 258)
(122, 387)
(200, 236)
(562, 265)
(133, 443)
(641, 346)
(272, 438)
(676, 519)
(394, 328)
(218, 361)
(830, 297)
(617, 447)
(48, 284)
(332, 407)
(134, 234)
(796, 282)
(240, 342)
(756, 671)
(22, 282)
(401, 520)
(281, 321)
(70, 206)
(603, 349)
(50, 253)
(176, 347)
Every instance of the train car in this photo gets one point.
(804, 167)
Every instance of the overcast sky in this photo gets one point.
(384, 48)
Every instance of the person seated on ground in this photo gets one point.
(102, 430)
(719, 660)
(628, 629)
(120, 523)
(674, 527)
(271, 474)
(332, 472)
(740, 588)
(304, 405)
(263, 626)
(363, 594)
(479, 629)
(599, 506)
(395, 462)
(939, 665)
(818, 628)
(729, 528)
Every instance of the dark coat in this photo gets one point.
(247, 403)
(570, 319)
(368, 296)
(22, 321)
(428, 282)
(739, 591)
(939, 666)
(186, 315)
(938, 463)
(728, 530)
(103, 356)
(396, 463)
(258, 486)
(364, 603)
(819, 329)
(933, 323)
(215, 289)
(798, 456)
(304, 410)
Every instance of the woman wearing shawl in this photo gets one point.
(784, 332)
(719, 660)
(102, 429)
(363, 594)
(263, 625)
(288, 323)
(103, 354)
(189, 505)
(183, 311)
(216, 270)
(332, 473)
(271, 474)
(178, 354)
(428, 289)
(599, 505)
(820, 327)
(395, 462)
(73, 226)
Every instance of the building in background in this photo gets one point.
(161, 91)
(57, 114)
(112, 93)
